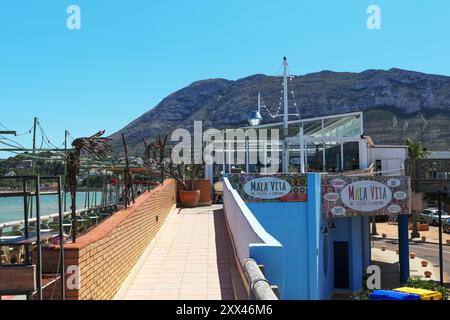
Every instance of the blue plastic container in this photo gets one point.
(392, 295)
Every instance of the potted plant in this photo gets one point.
(448, 241)
(185, 172)
(424, 263)
(424, 227)
(383, 248)
(189, 194)
(412, 255)
(384, 235)
(424, 239)
(427, 274)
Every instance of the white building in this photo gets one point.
(10, 174)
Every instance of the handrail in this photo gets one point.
(259, 287)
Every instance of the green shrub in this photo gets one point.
(428, 285)
(363, 295)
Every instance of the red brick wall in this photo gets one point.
(107, 254)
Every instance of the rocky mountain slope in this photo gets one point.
(396, 104)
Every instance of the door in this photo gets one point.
(341, 265)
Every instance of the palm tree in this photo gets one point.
(415, 152)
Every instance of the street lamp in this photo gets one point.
(254, 117)
(441, 194)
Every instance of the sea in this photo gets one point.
(11, 209)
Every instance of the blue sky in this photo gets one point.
(130, 54)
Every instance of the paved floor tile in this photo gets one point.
(191, 259)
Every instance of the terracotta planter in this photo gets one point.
(383, 248)
(384, 235)
(420, 227)
(189, 199)
(412, 255)
(424, 263)
(428, 274)
(424, 238)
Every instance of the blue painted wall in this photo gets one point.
(295, 225)
(272, 257)
(325, 267)
(351, 231)
(307, 254)
(287, 222)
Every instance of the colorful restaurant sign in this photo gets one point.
(355, 196)
(258, 188)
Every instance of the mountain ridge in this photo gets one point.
(396, 103)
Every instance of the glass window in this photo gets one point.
(333, 157)
(351, 156)
(314, 157)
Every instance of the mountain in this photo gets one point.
(396, 103)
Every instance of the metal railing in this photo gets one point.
(55, 215)
(428, 175)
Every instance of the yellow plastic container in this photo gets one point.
(424, 294)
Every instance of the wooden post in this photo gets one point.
(259, 287)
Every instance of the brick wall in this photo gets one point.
(107, 254)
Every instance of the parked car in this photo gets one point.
(446, 226)
(431, 216)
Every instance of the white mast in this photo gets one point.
(259, 102)
(302, 149)
(285, 157)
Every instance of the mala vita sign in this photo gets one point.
(366, 196)
(267, 188)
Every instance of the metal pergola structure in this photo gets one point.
(29, 238)
(328, 132)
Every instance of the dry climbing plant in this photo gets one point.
(97, 148)
(157, 156)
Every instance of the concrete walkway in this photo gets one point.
(388, 261)
(190, 259)
(432, 236)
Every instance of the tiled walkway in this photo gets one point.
(190, 259)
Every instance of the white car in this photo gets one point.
(431, 216)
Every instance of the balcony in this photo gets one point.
(428, 175)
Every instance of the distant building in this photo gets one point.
(439, 155)
(10, 174)
(138, 161)
(24, 164)
(387, 159)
